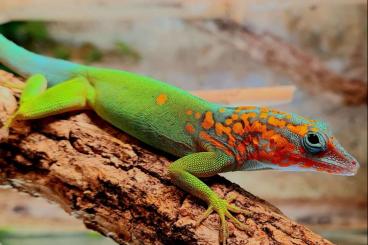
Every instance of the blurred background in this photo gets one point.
(320, 48)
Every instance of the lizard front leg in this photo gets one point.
(185, 172)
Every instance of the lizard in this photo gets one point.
(207, 138)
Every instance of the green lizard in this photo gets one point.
(208, 138)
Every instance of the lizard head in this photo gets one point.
(306, 145)
(320, 150)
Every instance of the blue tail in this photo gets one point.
(27, 63)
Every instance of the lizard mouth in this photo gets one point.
(346, 167)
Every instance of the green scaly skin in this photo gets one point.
(208, 138)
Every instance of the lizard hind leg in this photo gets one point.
(34, 86)
(37, 101)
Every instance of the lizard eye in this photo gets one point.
(314, 142)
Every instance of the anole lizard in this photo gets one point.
(208, 138)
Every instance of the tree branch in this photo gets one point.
(305, 69)
(120, 187)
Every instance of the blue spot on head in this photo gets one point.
(323, 127)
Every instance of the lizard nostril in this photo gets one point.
(354, 163)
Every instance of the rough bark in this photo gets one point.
(120, 187)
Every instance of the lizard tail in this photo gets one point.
(27, 63)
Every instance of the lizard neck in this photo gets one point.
(251, 133)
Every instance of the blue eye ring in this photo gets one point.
(314, 142)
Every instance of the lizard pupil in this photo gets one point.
(313, 139)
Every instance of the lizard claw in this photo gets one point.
(4, 133)
(4, 130)
(223, 209)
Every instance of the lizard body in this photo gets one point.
(209, 138)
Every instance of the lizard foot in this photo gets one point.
(4, 130)
(223, 208)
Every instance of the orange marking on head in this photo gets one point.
(197, 115)
(222, 110)
(276, 111)
(278, 140)
(189, 112)
(238, 128)
(264, 110)
(208, 121)
(161, 99)
(278, 156)
(235, 116)
(248, 115)
(248, 107)
(189, 128)
(228, 121)
(276, 122)
(214, 142)
(263, 115)
(300, 129)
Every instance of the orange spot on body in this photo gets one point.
(228, 121)
(208, 121)
(161, 99)
(189, 112)
(241, 154)
(214, 142)
(189, 128)
(197, 115)
(267, 134)
(218, 128)
(244, 117)
(222, 110)
(221, 129)
(238, 128)
(241, 149)
(235, 116)
(258, 127)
